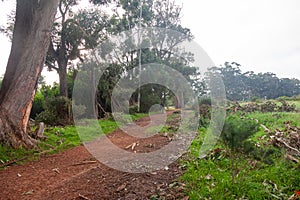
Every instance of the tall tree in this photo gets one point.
(29, 46)
(164, 14)
(73, 33)
(245, 86)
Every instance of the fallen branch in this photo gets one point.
(287, 145)
(12, 162)
(292, 158)
(85, 162)
(83, 197)
(133, 145)
(25, 157)
(99, 105)
(265, 128)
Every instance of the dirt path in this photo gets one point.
(74, 174)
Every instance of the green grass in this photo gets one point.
(275, 119)
(170, 126)
(210, 177)
(278, 103)
(296, 102)
(61, 138)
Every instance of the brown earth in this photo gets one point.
(75, 174)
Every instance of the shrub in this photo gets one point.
(38, 105)
(236, 130)
(133, 109)
(57, 112)
(78, 110)
(255, 99)
(205, 101)
(205, 115)
(147, 101)
(235, 133)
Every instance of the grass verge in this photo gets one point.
(210, 177)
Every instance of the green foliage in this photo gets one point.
(59, 139)
(38, 105)
(78, 111)
(211, 179)
(8, 154)
(57, 112)
(268, 106)
(265, 154)
(286, 107)
(261, 172)
(204, 111)
(251, 86)
(49, 91)
(205, 101)
(149, 97)
(205, 115)
(236, 130)
(280, 105)
(133, 109)
(255, 99)
(44, 94)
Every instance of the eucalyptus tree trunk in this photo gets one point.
(31, 37)
(62, 73)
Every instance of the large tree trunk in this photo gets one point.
(29, 46)
(62, 73)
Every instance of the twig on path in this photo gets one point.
(84, 197)
(85, 162)
(133, 145)
(56, 170)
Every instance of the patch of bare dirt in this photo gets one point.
(75, 174)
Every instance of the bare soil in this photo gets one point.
(75, 174)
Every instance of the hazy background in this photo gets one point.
(263, 36)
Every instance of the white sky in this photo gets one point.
(263, 36)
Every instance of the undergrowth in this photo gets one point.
(261, 172)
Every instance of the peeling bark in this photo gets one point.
(30, 43)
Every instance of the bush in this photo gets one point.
(255, 99)
(47, 117)
(235, 133)
(57, 112)
(147, 101)
(236, 130)
(133, 109)
(205, 101)
(38, 105)
(205, 115)
(78, 110)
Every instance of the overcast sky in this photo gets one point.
(263, 36)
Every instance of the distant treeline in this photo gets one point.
(249, 85)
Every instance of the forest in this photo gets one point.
(132, 116)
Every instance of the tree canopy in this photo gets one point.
(249, 85)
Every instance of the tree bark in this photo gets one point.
(30, 43)
(62, 73)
